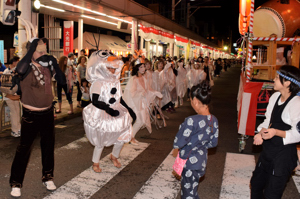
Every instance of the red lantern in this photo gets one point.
(245, 7)
(244, 17)
(243, 24)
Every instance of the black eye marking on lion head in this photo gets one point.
(102, 53)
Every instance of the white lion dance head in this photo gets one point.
(98, 63)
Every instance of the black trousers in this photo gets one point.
(84, 103)
(79, 94)
(267, 186)
(34, 122)
(68, 93)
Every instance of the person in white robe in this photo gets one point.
(139, 95)
(195, 76)
(181, 83)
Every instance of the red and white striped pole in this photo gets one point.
(250, 46)
(294, 39)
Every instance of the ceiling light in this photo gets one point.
(92, 11)
(98, 19)
(52, 8)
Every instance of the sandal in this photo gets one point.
(96, 168)
(115, 161)
(58, 111)
(70, 113)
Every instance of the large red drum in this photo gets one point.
(273, 17)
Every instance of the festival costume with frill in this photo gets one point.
(139, 97)
(181, 83)
(101, 128)
(167, 83)
(194, 77)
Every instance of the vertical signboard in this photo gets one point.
(68, 37)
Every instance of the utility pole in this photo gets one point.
(173, 8)
(197, 8)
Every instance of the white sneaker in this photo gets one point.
(15, 192)
(50, 185)
(15, 134)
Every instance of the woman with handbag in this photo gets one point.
(196, 134)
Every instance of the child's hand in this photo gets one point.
(269, 133)
(258, 139)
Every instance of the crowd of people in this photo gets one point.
(152, 88)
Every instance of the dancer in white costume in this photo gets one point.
(153, 81)
(139, 96)
(195, 76)
(181, 83)
(167, 84)
(107, 121)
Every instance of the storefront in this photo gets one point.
(107, 42)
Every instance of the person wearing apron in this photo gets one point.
(278, 134)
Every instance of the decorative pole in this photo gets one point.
(250, 46)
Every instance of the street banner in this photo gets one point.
(68, 37)
(247, 106)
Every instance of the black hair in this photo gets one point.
(84, 80)
(293, 72)
(202, 92)
(82, 50)
(14, 59)
(201, 59)
(125, 59)
(135, 68)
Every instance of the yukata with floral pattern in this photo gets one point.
(196, 134)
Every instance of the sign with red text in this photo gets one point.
(68, 37)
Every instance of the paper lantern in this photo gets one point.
(243, 24)
(244, 17)
(245, 7)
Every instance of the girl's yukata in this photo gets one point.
(196, 134)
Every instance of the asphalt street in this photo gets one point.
(73, 154)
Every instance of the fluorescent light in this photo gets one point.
(37, 4)
(52, 8)
(98, 19)
(92, 11)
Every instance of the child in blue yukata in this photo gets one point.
(196, 134)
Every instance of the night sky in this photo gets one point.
(223, 19)
(227, 15)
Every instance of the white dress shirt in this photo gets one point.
(290, 115)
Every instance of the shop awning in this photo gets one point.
(107, 42)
